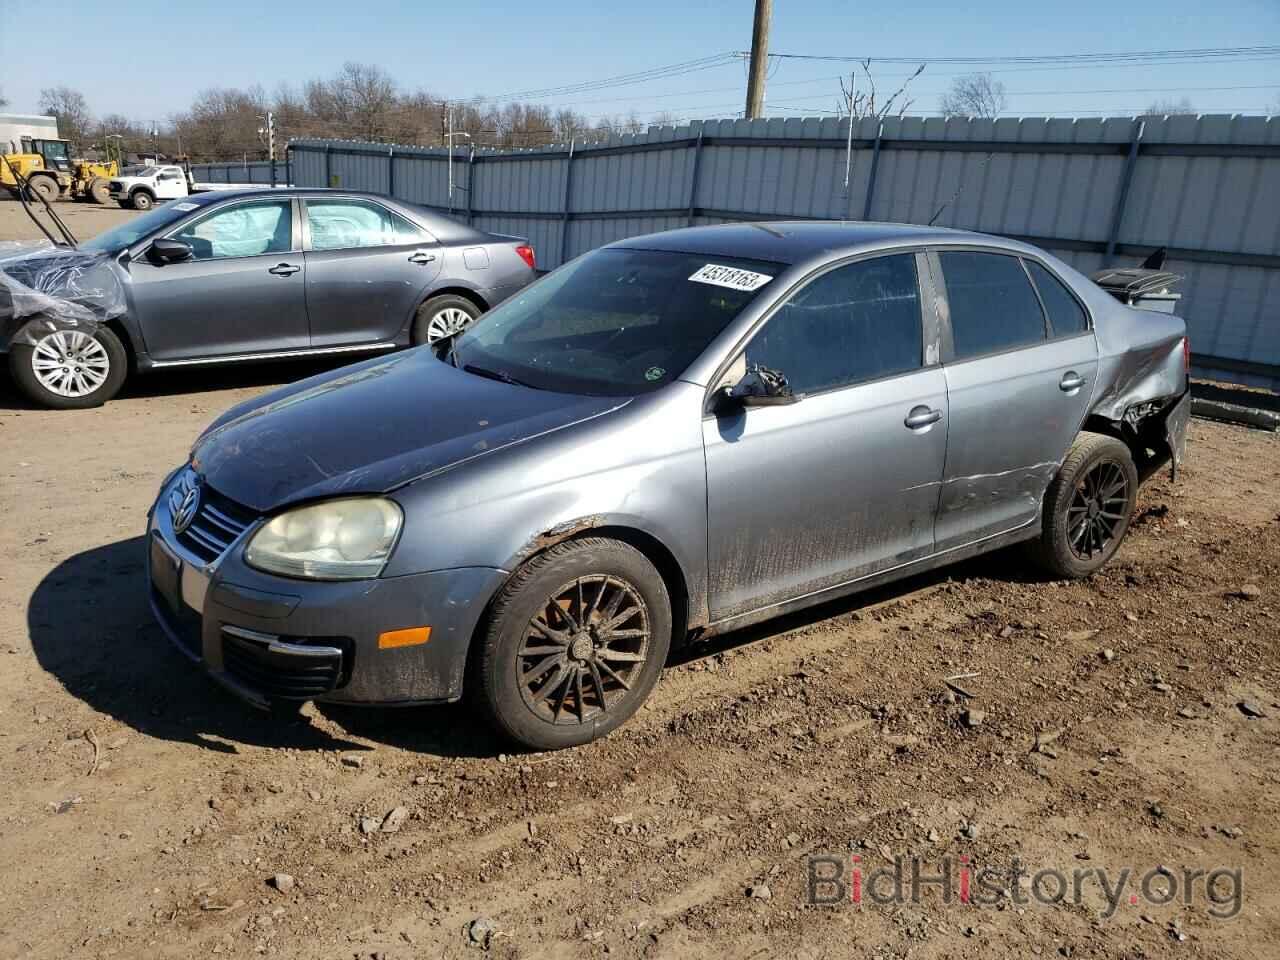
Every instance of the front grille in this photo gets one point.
(116, 186)
(284, 676)
(217, 524)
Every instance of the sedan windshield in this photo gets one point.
(615, 322)
(134, 229)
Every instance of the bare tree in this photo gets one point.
(974, 95)
(72, 111)
(860, 101)
(1171, 108)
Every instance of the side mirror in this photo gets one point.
(761, 387)
(169, 251)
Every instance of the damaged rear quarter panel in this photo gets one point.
(1139, 351)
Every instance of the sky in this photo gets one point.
(167, 52)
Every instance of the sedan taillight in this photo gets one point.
(1186, 355)
(526, 254)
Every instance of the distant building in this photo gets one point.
(15, 126)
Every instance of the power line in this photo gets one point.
(1141, 56)
(643, 76)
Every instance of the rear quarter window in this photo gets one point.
(1066, 316)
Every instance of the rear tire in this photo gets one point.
(41, 187)
(142, 200)
(442, 316)
(69, 370)
(1087, 507)
(574, 644)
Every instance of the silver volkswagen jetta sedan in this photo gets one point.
(674, 435)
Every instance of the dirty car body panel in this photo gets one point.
(895, 450)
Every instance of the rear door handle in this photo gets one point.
(1070, 382)
(421, 257)
(284, 269)
(921, 417)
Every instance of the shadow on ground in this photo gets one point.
(91, 627)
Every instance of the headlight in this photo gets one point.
(335, 540)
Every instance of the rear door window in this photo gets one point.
(993, 306)
(350, 224)
(1066, 316)
(856, 323)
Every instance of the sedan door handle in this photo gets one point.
(284, 269)
(921, 417)
(1070, 382)
(421, 257)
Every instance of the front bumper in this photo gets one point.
(270, 638)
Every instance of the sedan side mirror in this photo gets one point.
(760, 387)
(169, 251)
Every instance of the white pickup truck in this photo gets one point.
(142, 189)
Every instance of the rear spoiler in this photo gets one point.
(1140, 287)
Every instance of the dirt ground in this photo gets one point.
(84, 219)
(144, 813)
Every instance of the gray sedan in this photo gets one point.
(234, 277)
(672, 436)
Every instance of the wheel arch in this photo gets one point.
(651, 547)
(1144, 438)
(465, 292)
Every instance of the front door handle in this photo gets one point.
(921, 417)
(1070, 382)
(284, 269)
(422, 257)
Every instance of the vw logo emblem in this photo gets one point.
(183, 503)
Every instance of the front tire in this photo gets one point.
(442, 317)
(141, 200)
(98, 191)
(70, 370)
(574, 644)
(1087, 507)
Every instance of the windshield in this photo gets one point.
(615, 322)
(144, 172)
(134, 229)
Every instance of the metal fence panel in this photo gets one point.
(1093, 191)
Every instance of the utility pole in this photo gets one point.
(271, 136)
(449, 140)
(759, 58)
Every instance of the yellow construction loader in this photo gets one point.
(45, 166)
(50, 173)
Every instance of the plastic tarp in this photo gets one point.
(45, 289)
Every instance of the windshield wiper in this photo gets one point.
(449, 340)
(500, 375)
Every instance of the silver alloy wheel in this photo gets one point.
(70, 363)
(446, 322)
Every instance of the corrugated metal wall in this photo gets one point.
(256, 171)
(1092, 191)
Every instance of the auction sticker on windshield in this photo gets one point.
(731, 277)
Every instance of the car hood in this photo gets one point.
(372, 427)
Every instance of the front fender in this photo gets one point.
(638, 469)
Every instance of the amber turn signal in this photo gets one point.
(403, 638)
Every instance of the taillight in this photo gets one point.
(526, 254)
(1186, 355)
